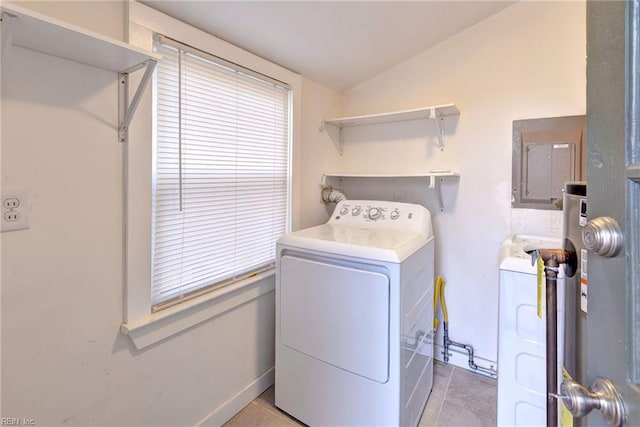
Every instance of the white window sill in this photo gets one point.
(158, 326)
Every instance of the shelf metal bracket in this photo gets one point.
(439, 121)
(8, 23)
(434, 182)
(126, 110)
(335, 133)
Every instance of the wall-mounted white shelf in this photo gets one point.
(25, 28)
(434, 178)
(437, 112)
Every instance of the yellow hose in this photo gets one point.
(438, 295)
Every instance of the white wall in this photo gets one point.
(526, 62)
(64, 360)
(319, 155)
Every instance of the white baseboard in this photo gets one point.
(460, 359)
(231, 407)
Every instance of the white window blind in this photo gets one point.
(221, 173)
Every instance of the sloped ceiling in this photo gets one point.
(335, 43)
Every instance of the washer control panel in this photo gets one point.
(381, 214)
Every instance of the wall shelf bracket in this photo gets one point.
(434, 182)
(28, 29)
(438, 118)
(335, 133)
(126, 110)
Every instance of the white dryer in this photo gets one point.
(354, 317)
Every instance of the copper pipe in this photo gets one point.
(552, 259)
(551, 274)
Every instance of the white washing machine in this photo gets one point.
(522, 387)
(354, 317)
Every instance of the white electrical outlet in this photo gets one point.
(15, 211)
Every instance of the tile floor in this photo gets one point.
(459, 398)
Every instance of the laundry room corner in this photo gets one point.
(297, 211)
(527, 61)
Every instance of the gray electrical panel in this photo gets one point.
(546, 154)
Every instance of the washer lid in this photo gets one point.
(383, 245)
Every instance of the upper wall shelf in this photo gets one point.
(437, 113)
(25, 28)
(35, 31)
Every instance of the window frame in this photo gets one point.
(139, 323)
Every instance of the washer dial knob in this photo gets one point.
(356, 211)
(395, 214)
(344, 210)
(374, 213)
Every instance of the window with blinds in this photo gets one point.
(220, 176)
